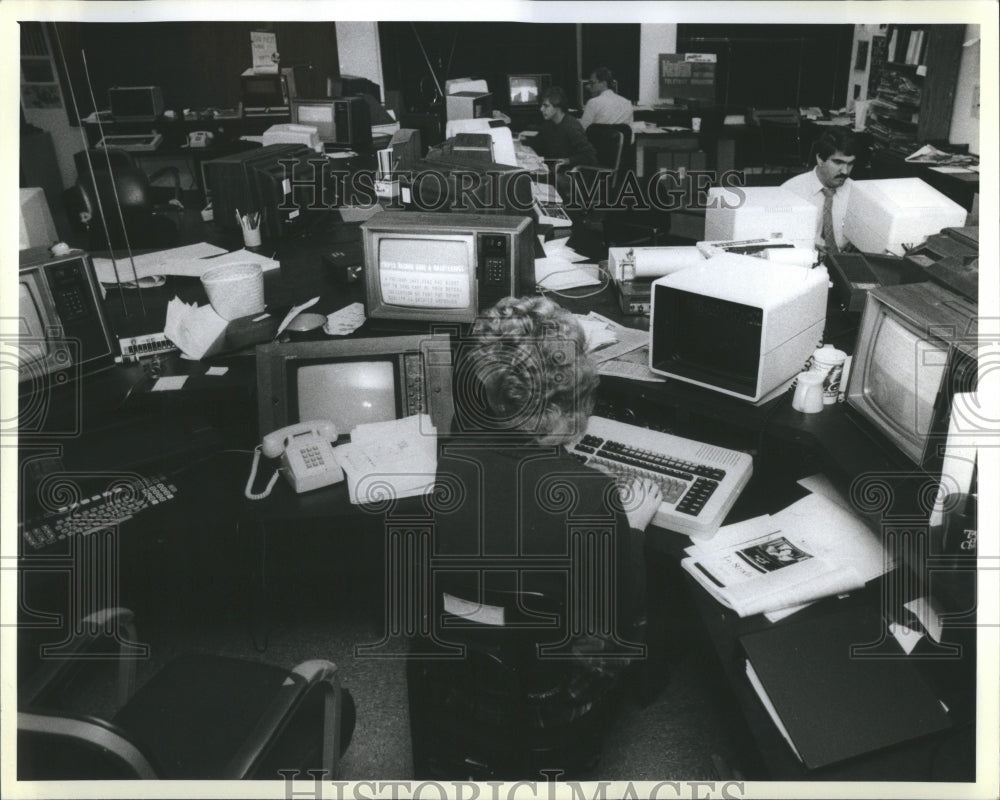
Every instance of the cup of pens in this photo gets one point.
(250, 225)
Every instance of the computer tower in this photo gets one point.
(352, 124)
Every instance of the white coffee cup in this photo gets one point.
(829, 361)
(808, 397)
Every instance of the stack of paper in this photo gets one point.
(197, 330)
(559, 269)
(776, 564)
(389, 460)
(187, 261)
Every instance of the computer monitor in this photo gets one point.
(737, 324)
(444, 267)
(760, 212)
(355, 381)
(525, 90)
(897, 214)
(340, 120)
(264, 94)
(916, 347)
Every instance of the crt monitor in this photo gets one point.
(760, 212)
(737, 324)
(525, 90)
(355, 381)
(444, 267)
(915, 348)
(897, 214)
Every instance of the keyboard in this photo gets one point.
(137, 143)
(700, 482)
(98, 512)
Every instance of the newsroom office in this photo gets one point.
(595, 61)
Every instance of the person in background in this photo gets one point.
(828, 185)
(561, 138)
(605, 107)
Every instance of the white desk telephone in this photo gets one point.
(307, 458)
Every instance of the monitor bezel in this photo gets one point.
(959, 374)
(277, 364)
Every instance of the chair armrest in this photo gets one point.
(94, 627)
(175, 175)
(285, 703)
(96, 733)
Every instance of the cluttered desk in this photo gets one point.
(331, 351)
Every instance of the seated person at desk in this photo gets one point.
(528, 389)
(605, 107)
(828, 185)
(561, 137)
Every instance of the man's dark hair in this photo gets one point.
(835, 140)
(603, 75)
(556, 96)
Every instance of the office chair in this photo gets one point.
(117, 179)
(619, 227)
(501, 711)
(200, 717)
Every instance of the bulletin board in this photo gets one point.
(689, 76)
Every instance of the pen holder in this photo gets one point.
(235, 290)
(251, 237)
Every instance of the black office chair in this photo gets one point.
(501, 711)
(200, 717)
(618, 227)
(110, 178)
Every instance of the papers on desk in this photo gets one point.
(626, 352)
(188, 261)
(559, 269)
(776, 564)
(390, 460)
(197, 330)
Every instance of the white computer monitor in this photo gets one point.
(896, 214)
(760, 212)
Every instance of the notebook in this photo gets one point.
(832, 705)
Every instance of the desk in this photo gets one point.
(232, 540)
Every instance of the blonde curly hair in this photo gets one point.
(528, 359)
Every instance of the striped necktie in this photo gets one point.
(829, 238)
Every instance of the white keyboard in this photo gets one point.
(700, 482)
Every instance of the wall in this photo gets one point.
(358, 50)
(653, 40)
(965, 117)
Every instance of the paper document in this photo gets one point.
(197, 330)
(345, 320)
(176, 261)
(814, 548)
(390, 460)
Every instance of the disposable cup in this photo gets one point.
(235, 290)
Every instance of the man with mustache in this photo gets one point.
(828, 185)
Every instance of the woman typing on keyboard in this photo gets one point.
(536, 529)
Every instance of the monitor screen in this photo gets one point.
(263, 91)
(425, 273)
(903, 377)
(348, 393)
(710, 340)
(526, 90)
(319, 115)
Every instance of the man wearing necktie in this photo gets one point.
(828, 185)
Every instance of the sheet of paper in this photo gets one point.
(345, 320)
(557, 248)
(927, 615)
(633, 366)
(907, 639)
(597, 334)
(293, 312)
(197, 331)
(217, 370)
(169, 383)
(821, 485)
(264, 50)
(559, 273)
(243, 257)
(186, 260)
(948, 170)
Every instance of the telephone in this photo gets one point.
(307, 458)
(200, 138)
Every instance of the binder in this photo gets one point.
(834, 705)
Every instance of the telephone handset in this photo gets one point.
(307, 457)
